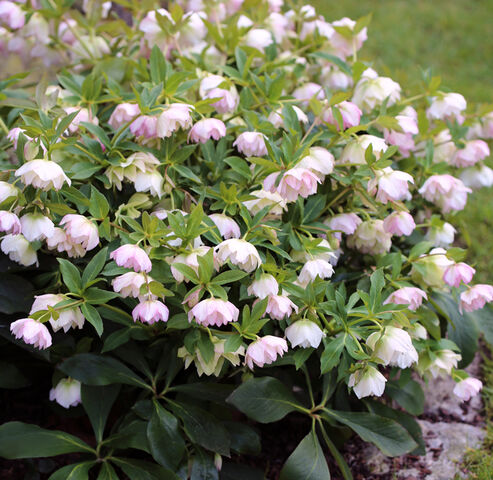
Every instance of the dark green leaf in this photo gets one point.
(332, 353)
(141, 470)
(93, 317)
(98, 205)
(76, 471)
(94, 267)
(107, 472)
(71, 275)
(409, 396)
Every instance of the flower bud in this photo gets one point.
(344, 222)
(307, 91)
(83, 115)
(228, 98)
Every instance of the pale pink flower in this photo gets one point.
(12, 15)
(280, 306)
(473, 152)
(227, 227)
(228, 98)
(60, 242)
(467, 388)
(205, 129)
(399, 223)
(9, 223)
(307, 91)
(457, 273)
(372, 90)
(319, 160)
(350, 112)
(370, 237)
(150, 311)
(275, 5)
(67, 318)
(344, 46)
(404, 140)
(448, 192)
(251, 144)
(476, 297)
(446, 105)
(213, 311)
(313, 269)
(83, 115)
(319, 26)
(66, 393)
(132, 256)
(79, 229)
(123, 114)
(42, 174)
(441, 235)
(265, 350)
(240, 253)
(35, 226)
(149, 181)
(294, 182)
(19, 250)
(411, 296)
(175, 116)
(32, 332)
(65, 33)
(344, 222)
(14, 134)
(390, 185)
(263, 287)
(144, 126)
(129, 284)
(477, 177)
(189, 259)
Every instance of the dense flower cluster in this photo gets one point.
(235, 188)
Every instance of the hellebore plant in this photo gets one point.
(214, 211)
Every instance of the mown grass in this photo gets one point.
(454, 39)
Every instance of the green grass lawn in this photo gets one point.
(455, 39)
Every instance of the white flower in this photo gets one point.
(264, 199)
(19, 250)
(227, 227)
(7, 191)
(66, 393)
(372, 90)
(128, 284)
(313, 269)
(42, 174)
(263, 287)
(259, 38)
(304, 333)
(319, 160)
(151, 182)
(280, 306)
(393, 347)
(67, 318)
(354, 151)
(442, 363)
(441, 236)
(467, 388)
(80, 230)
(446, 105)
(35, 226)
(240, 253)
(367, 381)
(477, 177)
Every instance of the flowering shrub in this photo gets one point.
(219, 209)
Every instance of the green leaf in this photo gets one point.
(97, 402)
(12, 377)
(76, 471)
(98, 205)
(203, 467)
(107, 472)
(157, 65)
(94, 267)
(409, 396)
(16, 293)
(132, 435)
(233, 343)
(164, 437)
(142, 470)
(307, 462)
(203, 428)
(98, 296)
(390, 437)
(332, 353)
(93, 369)
(228, 277)
(115, 339)
(244, 439)
(264, 399)
(93, 317)
(70, 275)
(23, 440)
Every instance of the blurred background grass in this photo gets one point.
(455, 39)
